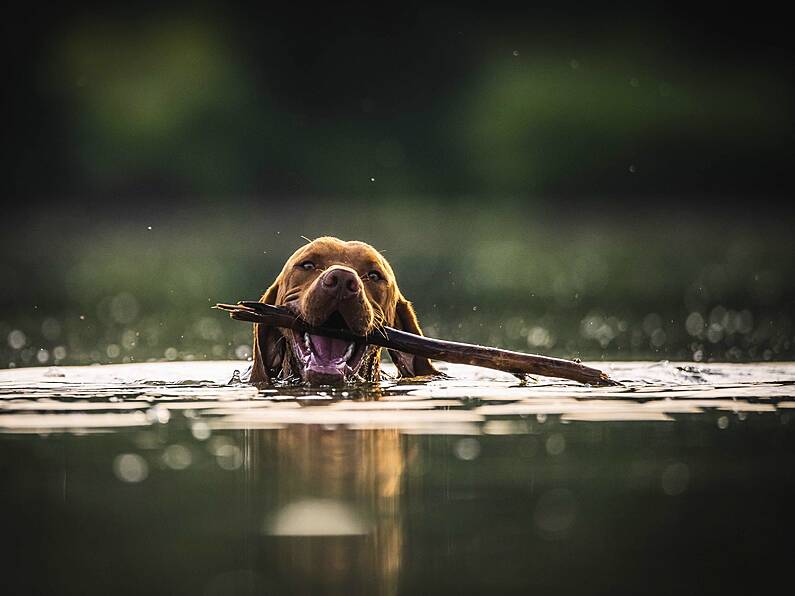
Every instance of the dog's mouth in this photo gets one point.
(327, 360)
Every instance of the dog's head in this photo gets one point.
(333, 283)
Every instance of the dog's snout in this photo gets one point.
(343, 283)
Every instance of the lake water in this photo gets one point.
(164, 478)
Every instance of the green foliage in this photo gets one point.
(498, 273)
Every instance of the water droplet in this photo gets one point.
(675, 479)
(158, 413)
(130, 467)
(658, 338)
(17, 339)
(229, 457)
(177, 457)
(215, 444)
(555, 513)
(556, 444)
(200, 430)
(694, 324)
(466, 449)
(51, 328)
(124, 308)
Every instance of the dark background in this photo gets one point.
(541, 171)
(543, 101)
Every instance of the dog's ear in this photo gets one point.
(409, 365)
(269, 350)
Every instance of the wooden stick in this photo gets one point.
(517, 363)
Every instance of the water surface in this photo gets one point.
(165, 478)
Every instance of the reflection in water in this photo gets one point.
(336, 521)
(468, 485)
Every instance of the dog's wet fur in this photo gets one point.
(333, 283)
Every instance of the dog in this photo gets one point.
(334, 283)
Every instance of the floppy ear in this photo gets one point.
(268, 351)
(409, 365)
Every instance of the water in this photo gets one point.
(164, 478)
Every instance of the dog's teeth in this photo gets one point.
(349, 352)
(306, 341)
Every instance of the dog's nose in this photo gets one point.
(343, 283)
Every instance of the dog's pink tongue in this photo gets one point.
(328, 349)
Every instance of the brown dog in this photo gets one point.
(337, 284)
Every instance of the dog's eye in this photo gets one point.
(374, 276)
(307, 266)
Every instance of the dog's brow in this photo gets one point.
(371, 264)
(310, 255)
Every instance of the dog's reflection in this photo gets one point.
(336, 527)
